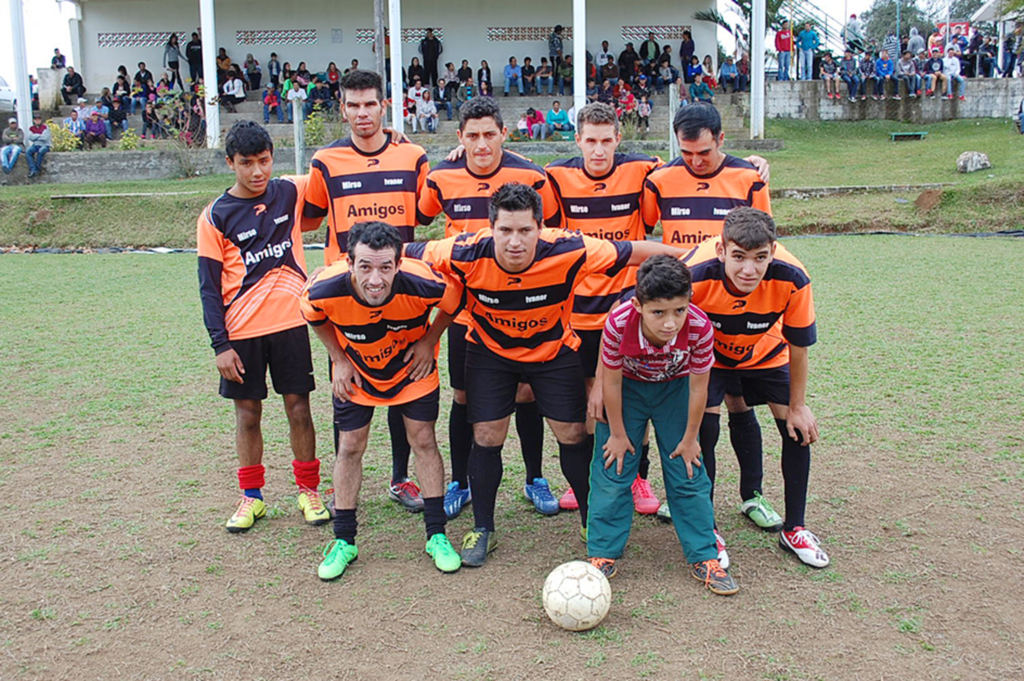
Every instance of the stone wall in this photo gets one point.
(805, 100)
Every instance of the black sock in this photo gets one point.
(485, 471)
(345, 526)
(796, 469)
(575, 460)
(708, 437)
(530, 427)
(433, 515)
(745, 434)
(645, 460)
(399, 445)
(460, 439)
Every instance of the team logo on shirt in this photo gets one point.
(703, 186)
(375, 313)
(514, 280)
(600, 186)
(483, 186)
(738, 304)
(260, 208)
(373, 162)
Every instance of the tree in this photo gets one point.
(880, 20)
(773, 15)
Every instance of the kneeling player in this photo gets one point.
(656, 352)
(384, 350)
(251, 270)
(759, 299)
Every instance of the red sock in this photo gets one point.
(307, 473)
(251, 477)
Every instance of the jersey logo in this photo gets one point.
(375, 313)
(703, 186)
(260, 208)
(600, 186)
(482, 186)
(738, 304)
(373, 162)
(514, 280)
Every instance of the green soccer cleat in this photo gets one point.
(761, 512)
(446, 558)
(664, 514)
(337, 556)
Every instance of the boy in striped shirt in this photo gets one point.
(657, 354)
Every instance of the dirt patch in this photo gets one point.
(928, 200)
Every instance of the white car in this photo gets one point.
(6, 96)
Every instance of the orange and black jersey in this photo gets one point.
(606, 208)
(350, 186)
(753, 331)
(251, 263)
(692, 208)
(375, 339)
(523, 316)
(465, 197)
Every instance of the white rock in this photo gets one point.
(970, 161)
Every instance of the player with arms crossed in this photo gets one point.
(758, 297)
(657, 355)
(519, 281)
(461, 188)
(384, 350)
(366, 176)
(251, 271)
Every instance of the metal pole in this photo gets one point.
(579, 55)
(757, 71)
(208, 26)
(897, 27)
(299, 129)
(22, 87)
(397, 96)
(673, 106)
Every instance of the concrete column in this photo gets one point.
(757, 70)
(75, 31)
(22, 86)
(299, 130)
(579, 55)
(208, 27)
(397, 97)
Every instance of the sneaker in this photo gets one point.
(477, 545)
(723, 555)
(912, 95)
(312, 507)
(805, 545)
(949, 96)
(929, 93)
(606, 566)
(337, 556)
(863, 98)
(897, 97)
(250, 509)
(446, 558)
(874, 97)
(568, 501)
(761, 512)
(406, 493)
(584, 535)
(962, 98)
(853, 99)
(664, 515)
(644, 500)
(540, 494)
(454, 499)
(715, 578)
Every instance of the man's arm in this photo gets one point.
(346, 379)
(645, 249)
(800, 417)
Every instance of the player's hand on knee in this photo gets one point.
(230, 366)
(615, 451)
(690, 451)
(420, 358)
(346, 380)
(799, 421)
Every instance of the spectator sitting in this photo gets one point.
(253, 73)
(122, 92)
(830, 74)
(606, 95)
(728, 75)
(591, 91)
(443, 96)
(522, 126)
(13, 141)
(297, 93)
(609, 71)
(163, 90)
(684, 95)
(884, 68)
(319, 97)
(334, 80)
(626, 109)
(867, 74)
(426, 113)
(450, 75)
(354, 66)
(513, 76)
(536, 124)
(272, 104)
(39, 141)
(101, 109)
(145, 75)
(417, 90)
(545, 77)
(223, 66)
(151, 124)
(529, 76)
(743, 69)
(485, 89)
(58, 61)
(700, 92)
(693, 69)
(465, 71)
(642, 88)
(628, 59)
(467, 91)
(951, 69)
(483, 74)
(850, 74)
(934, 78)
(906, 70)
(416, 70)
(140, 95)
(409, 112)
(72, 85)
(74, 124)
(83, 109)
(565, 74)
(95, 132)
(302, 75)
(708, 75)
(118, 118)
(557, 118)
(234, 92)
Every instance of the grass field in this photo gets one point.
(117, 473)
(816, 154)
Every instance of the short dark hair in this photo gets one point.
(691, 120)
(480, 107)
(363, 79)
(247, 138)
(376, 235)
(597, 113)
(513, 197)
(661, 277)
(749, 228)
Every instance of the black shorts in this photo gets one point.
(755, 386)
(289, 358)
(457, 356)
(590, 351)
(492, 382)
(350, 416)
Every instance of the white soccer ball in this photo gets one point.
(577, 596)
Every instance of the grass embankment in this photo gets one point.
(816, 155)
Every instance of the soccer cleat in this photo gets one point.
(312, 507)
(584, 536)
(723, 555)
(250, 509)
(715, 578)
(477, 545)
(644, 500)
(761, 512)
(454, 499)
(407, 494)
(805, 545)
(568, 501)
(606, 566)
(446, 558)
(664, 514)
(338, 555)
(540, 494)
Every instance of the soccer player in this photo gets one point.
(657, 355)
(461, 188)
(369, 176)
(758, 297)
(384, 349)
(251, 271)
(519, 280)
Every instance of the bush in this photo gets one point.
(63, 139)
(129, 140)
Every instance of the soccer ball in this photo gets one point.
(577, 596)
